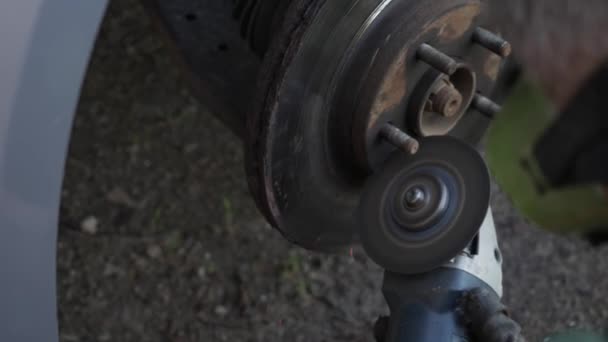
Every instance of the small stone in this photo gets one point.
(111, 270)
(154, 251)
(104, 337)
(221, 310)
(131, 50)
(134, 149)
(194, 189)
(120, 196)
(190, 148)
(201, 272)
(173, 240)
(140, 262)
(89, 225)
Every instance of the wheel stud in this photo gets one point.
(492, 42)
(399, 138)
(485, 106)
(437, 59)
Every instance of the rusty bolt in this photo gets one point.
(485, 106)
(437, 59)
(492, 42)
(399, 139)
(446, 100)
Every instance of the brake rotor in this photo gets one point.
(336, 73)
(420, 211)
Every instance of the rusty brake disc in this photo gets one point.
(337, 73)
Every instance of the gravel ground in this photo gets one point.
(160, 240)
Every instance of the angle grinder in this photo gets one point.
(424, 217)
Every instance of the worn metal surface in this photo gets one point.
(222, 67)
(265, 132)
(485, 106)
(399, 139)
(45, 52)
(329, 65)
(390, 54)
(445, 100)
(425, 121)
(492, 42)
(436, 59)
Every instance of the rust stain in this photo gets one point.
(451, 26)
(393, 89)
(492, 66)
(454, 24)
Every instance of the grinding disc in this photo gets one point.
(420, 211)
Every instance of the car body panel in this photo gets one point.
(45, 49)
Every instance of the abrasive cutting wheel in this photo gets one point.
(420, 211)
(336, 74)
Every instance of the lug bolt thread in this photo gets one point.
(492, 42)
(485, 106)
(437, 59)
(399, 139)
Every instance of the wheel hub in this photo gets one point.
(340, 83)
(417, 67)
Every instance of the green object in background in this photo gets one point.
(576, 337)
(510, 142)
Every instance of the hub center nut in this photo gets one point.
(445, 99)
(439, 101)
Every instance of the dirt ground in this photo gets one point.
(160, 240)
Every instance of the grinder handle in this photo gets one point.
(426, 307)
(444, 305)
